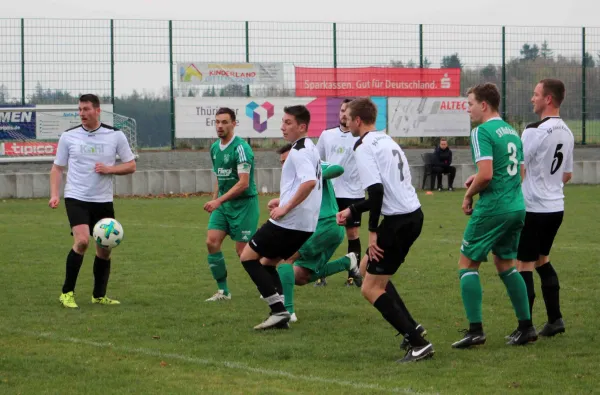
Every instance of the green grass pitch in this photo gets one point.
(165, 339)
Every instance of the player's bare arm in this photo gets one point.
(235, 191)
(118, 170)
(303, 191)
(566, 177)
(55, 179)
(485, 172)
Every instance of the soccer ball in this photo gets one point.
(108, 233)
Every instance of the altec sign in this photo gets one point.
(377, 81)
(28, 149)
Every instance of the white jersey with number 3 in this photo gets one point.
(548, 151)
(381, 160)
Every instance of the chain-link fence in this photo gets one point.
(132, 63)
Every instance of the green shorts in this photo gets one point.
(497, 233)
(238, 218)
(320, 247)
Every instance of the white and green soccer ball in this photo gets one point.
(108, 233)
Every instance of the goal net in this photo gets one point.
(31, 133)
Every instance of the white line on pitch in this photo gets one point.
(226, 364)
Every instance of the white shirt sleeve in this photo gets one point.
(367, 167)
(62, 151)
(530, 144)
(569, 158)
(321, 146)
(305, 169)
(123, 149)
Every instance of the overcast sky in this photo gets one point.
(507, 12)
(54, 48)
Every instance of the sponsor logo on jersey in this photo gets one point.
(223, 172)
(92, 149)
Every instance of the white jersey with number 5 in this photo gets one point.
(548, 151)
(381, 160)
(302, 165)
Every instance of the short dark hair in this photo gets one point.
(364, 108)
(488, 93)
(284, 149)
(555, 88)
(443, 139)
(91, 98)
(346, 100)
(226, 110)
(300, 113)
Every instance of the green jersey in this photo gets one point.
(329, 207)
(229, 161)
(498, 141)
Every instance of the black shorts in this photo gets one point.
(344, 203)
(273, 241)
(538, 235)
(395, 235)
(87, 213)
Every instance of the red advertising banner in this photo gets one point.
(377, 81)
(29, 149)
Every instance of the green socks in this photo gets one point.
(337, 266)
(517, 291)
(472, 295)
(216, 262)
(286, 274)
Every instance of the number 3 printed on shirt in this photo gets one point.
(512, 152)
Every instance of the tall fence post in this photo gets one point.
(112, 62)
(583, 86)
(421, 64)
(504, 73)
(22, 61)
(247, 29)
(421, 57)
(247, 32)
(171, 94)
(334, 45)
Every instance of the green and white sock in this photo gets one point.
(286, 274)
(216, 263)
(472, 295)
(517, 291)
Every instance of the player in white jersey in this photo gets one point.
(89, 150)
(548, 151)
(385, 174)
(292, 222)
(336, 146)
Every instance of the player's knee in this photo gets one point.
(352, 233)
(213, 244)
(81, 244)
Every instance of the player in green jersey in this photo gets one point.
(311, 262)
(234, 207)
(497, 219)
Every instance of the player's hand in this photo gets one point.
(273, 203)
(278, 213)
(103, 169)
(54, 201)
(375, 252)
(212, 205)
(343, 216)
(467, 205)
(469, 181)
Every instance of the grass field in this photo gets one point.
(164, 339)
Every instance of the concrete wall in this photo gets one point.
(155, 182)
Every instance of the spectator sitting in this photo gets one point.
(443, 164)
